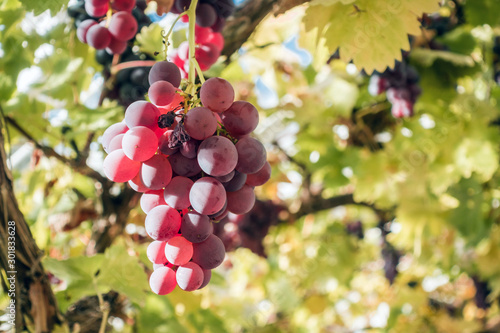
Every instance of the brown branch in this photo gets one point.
(78, 166)
(33, 298)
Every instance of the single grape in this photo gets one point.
(241, 201)
(207, 55)
(178, 250)
(216, 39)
(200, 123)
(176, 193)
(260, 177)
(123, 26)
(205, 15)
(251, 155)
(217, 94)
(162, 223)
(137, 185)
(156, 252)
(98, 37)
(140, 144)
(165, 71)
(151, 199)
(196, 227)
(162, 281)
(189, 148)
(226, 178)
(207, 196)
(217, 156)
(156, 172)
(163, 143)
(210, 253)
(189, 276)
(96, 11)
(241, 118)
(161, 93)
(142, 113)
(116, 46)
(119, 168)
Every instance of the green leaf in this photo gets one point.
(39, 7)
(372, 33)
(479, 12)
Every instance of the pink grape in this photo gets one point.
(119, 168)
(116, 143)
(96, 11)
(189, 276)
(217, 156)
(98, 3)
(207, 55)
(116, 46)
(200, 123)
(236, 182)
(201, 34)
(123, 26)
(162, 281)
(123, 5)
(140, 144)
(162, 223)
(207, 275)
(142, 113)
(217, 39)
(137, 185)
(196, 227)
(183, 166)
(156, 252)
(111, 132)
(251, 155)
(156, 172)
(98, 37)
(210, 253)
(165, 71)
(241, 201)
(151, 199)
(177, 192)
(163, 143)
(81, 32)
(207, 196)
(260, 177)
(217, 94)
(161, 93)
(241, 118)
(178, 250)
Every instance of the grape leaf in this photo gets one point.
(370, 33)
(39, 7)
(479, 12)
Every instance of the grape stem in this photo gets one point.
(167, 35)
(193, 64)
(132, 64)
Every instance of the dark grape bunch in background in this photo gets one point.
(209, 13)
(401, 87)
(496, 59)
(100, 32)
(192, 167)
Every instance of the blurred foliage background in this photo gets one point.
(368, 224)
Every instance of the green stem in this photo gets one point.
(198, 70)
(192, 21)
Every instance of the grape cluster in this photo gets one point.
(102, 34)
(209, 13)
(209, 45)
(192, 167)
(496, 59)
(401, 85)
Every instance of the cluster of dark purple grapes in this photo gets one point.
(401, 85)
(193, 164)
(209, 13)
(111, 35)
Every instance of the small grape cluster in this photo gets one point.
(401, 85)
(209, 45)
(209, 13)
(110, 34)
(192, 167)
